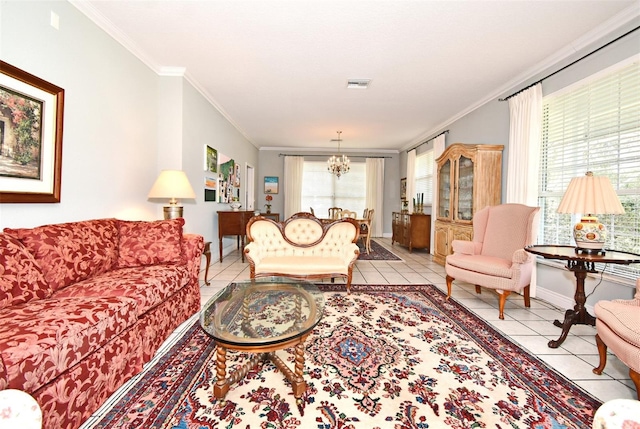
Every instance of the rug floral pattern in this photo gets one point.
(382, 357)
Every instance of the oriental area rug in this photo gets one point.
(382, 357)
(378, 253)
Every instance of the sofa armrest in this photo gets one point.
(466, 247)
(193, 246)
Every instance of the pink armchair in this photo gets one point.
(496, 258)
(618, 327)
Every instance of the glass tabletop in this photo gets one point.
(262, 311)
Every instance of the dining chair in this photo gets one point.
(365, 229)
(348, 213)
(334, 212)
(496, 258)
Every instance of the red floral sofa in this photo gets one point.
(84, 305)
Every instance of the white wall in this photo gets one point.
(110, 115)
(122, 122)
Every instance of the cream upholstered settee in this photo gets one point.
(302, 247)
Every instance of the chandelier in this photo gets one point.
(338, 165)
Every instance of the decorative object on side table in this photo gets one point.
(268, 198)
(235, 205)
(590, 195)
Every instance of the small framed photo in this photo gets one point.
(270, 184)
(31, 117)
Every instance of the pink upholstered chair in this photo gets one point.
(618, 327)
(496, 258)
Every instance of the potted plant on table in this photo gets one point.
(269, 198)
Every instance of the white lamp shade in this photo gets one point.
(172, 184)
(590, 195)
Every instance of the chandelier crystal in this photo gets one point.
(340, 164)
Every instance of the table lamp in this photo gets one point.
(172, 184)
(590, 195)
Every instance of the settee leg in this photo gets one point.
(602, 352)
(527, 296)
(478, 289)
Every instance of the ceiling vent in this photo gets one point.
(358, 83)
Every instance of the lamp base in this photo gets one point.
(589, 235)
(596, 252)
(173, 212)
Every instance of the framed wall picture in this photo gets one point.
(270, 184)
(403, 188)
(31, 117)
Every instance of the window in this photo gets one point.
(594, 125)
(322, 190)
(424, 176)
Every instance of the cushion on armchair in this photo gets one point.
(71, 252)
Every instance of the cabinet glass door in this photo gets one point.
(444, 191)
(465, 189)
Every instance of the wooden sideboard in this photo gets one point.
(235, 223)
(411, 230)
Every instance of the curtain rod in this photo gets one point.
(569, 65)
(355, 156)
(428, 140)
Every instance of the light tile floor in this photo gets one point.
(531, 328)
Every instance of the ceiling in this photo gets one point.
(278, 69)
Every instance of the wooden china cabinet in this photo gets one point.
(469, 179)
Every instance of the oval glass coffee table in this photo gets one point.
(261, 316)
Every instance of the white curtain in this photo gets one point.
(375, 190)
(438, 148)
(411, 178)
(525, 134)
(525, 112)
(293, 166)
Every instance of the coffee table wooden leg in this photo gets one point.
(299, 386)
(221, 387)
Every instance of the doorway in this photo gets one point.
(250, 190)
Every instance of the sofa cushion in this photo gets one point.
(150, 243)
(302, 265)
(21, 279)
(71, 252)
(44, 338)
(148, 286)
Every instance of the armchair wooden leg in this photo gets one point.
(449, 282)
(527, 296)
(602, 351)
(478, 289)
(503, 300)
(635, 377)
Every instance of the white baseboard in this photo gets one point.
(558, 300)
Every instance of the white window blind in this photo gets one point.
(594, 126)
(321, 189)
(424, 176)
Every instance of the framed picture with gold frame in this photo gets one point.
(31, 118)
